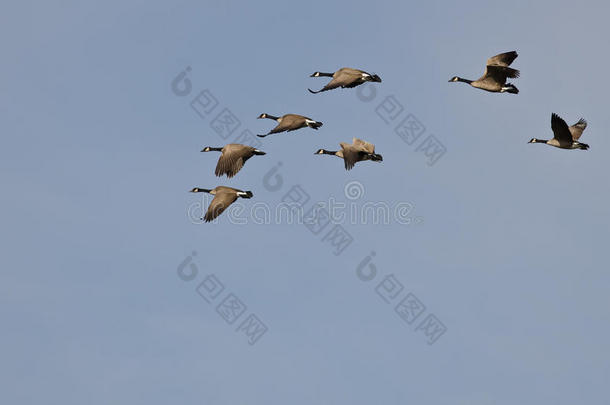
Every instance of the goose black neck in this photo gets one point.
(271, 117)
(329, 152)
(213, 149)
(325, 74)
(459, 79)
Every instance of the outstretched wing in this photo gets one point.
(230, 162)
(561, 131)
(503, 59)
(285, 125)
(353, 84)
(220, 203)
(350, 158)
(350, 155)
(577, 129)
(364, 145)
(498, 74)
(343, 78)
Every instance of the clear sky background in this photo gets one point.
(98, 153)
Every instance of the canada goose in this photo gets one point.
(290, 122)
(358, 151)
(496, 73)
(223, 197)
(565, 137)
(345, 78)
(232, 158)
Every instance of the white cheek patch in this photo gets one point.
(309, 122)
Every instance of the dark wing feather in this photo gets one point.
(278, 128)
(503, 59)
(351, 156)
(354, 84)
(333, 84)
(561, 131)
(499, 74)
(281, 127)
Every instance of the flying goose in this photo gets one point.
(345, 78)
(358, 151)
(232, 158)
(496, 73)
(290, 122)
(565, 137)
(223, 197)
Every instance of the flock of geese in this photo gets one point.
(233, 156)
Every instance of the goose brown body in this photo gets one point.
(232, 158)
(497, 71)
(565, 137)
(357, 151)
(345, 78)
(223, 198)
(290, 122)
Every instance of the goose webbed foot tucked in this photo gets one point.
(315, 92)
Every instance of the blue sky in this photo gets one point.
(98, 155)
